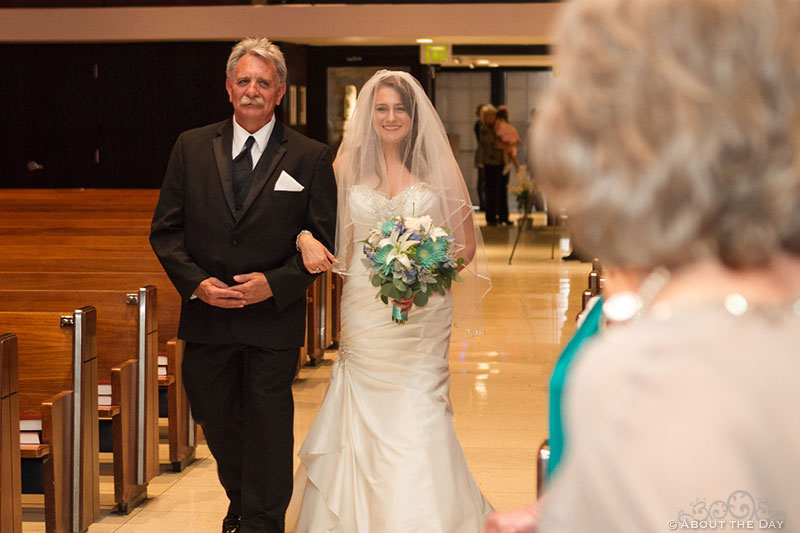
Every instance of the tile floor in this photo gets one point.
(498, 392)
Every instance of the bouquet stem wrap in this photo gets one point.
(398, 315)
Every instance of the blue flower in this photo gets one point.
(387, 227)
(380, 255)
(431, 253)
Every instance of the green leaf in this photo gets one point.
(421, 299)
(399, 285)
(387, 290)
(384, 299)
(394, 294)
(456, 277)
(376, 280)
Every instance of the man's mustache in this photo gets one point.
(256, 101)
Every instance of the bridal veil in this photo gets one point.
(429, 159)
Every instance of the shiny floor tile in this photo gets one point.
(498, 389)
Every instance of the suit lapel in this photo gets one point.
(223, 143)
(265, 169)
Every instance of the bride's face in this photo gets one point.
(390, 118)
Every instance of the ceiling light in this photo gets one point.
(424, 41)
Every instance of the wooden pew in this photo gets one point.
(323, 300)
(336, 296)
(91, 231)
(122, 219)
(10, 481)
(58, 377)
(55, 455)
(44, 201)
(181, 434)
(126, 348)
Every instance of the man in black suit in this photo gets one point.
(235, 197)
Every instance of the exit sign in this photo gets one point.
(434, 53)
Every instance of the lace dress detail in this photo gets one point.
(375, 207)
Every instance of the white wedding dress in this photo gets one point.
(382, 455)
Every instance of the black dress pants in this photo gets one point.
(242, 397)
(481, 189)
(496, 194)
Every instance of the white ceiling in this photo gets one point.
(319, 25)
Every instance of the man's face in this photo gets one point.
(254, 92)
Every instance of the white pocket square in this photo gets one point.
(287, 183)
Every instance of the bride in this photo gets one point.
(382, 454)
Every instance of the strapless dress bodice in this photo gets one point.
(370, 208)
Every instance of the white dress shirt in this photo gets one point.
(240, 136)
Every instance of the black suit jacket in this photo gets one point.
(197, 232)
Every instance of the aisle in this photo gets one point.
(498, 393)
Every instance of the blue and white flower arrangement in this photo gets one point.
(411, 258)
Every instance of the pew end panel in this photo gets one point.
(182, 432)
(337, 284)
(148, 392)
(85, 344)
(57, 431)
(10, 475)
(327, 307)
(127, 492)
(314, 347)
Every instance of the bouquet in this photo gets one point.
(523, 190)
(411, 258)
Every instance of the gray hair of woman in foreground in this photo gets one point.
(671, 133)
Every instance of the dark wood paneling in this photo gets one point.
(104, 115)
(49, 113)
(148, 94)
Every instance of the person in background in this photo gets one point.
(479, 161)
(492, 155)
(509, 138)
(671, 138)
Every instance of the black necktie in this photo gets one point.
(243, 173)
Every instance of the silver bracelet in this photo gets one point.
(297, 240)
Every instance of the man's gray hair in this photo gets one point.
(261, 47)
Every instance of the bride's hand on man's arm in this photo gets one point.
(316, 257)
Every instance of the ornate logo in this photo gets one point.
(740, 505)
